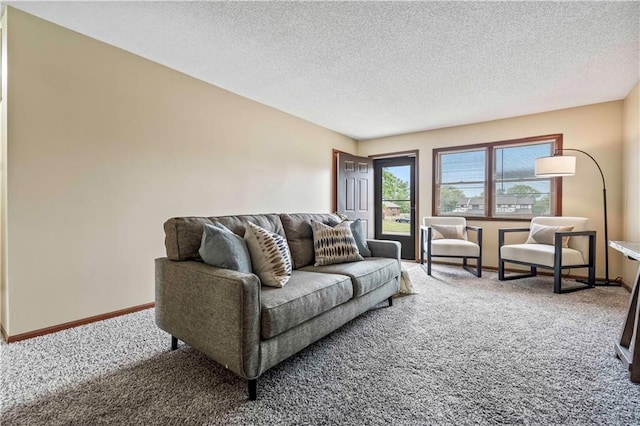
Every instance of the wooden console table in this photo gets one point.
(628, 347)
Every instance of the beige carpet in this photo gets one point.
(461, 351)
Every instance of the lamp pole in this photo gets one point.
(606, 222)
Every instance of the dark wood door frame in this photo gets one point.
(416, 177)
(416, 153)
(334, 178)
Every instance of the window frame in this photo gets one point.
(490, 177)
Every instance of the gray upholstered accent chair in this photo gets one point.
(555, 243)
(447, 237)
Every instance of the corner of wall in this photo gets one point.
(631, 176)
(4, 296)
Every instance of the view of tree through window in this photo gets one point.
(517, 188)
(495, 180)
(396, 201)
(462, 182)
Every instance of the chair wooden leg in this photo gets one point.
(174, 343)
(533, 271)
(428, 262)
(477, 271)
(557, 280)
(592, 276)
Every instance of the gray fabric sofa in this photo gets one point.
(247, 327)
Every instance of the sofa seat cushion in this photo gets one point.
(540, 254)
(366, 275)
(454, 247)
(306, 295)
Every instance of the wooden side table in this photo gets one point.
(628, 347)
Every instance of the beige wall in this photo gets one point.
(104, 146)
(596, 129)
(100, 147)
(631, 181)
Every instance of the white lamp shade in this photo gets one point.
(558, 165)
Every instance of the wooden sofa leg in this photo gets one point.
(174, 343)
(390, 301)
(253, 389)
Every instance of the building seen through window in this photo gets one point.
(496, 180)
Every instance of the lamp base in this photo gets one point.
(603, 283)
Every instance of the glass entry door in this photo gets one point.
(395, 202)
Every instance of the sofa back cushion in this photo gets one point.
(297, 228)
(183, 235)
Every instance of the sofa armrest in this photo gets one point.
(214, 310)
(385, 248)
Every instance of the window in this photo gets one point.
(496, 180)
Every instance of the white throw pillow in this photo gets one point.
(270, 256)
(543, 234)
(449, 232)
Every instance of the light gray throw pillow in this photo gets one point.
(222, 248)
(358, 235)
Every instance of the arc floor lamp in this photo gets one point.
(559, 165)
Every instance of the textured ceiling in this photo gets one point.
(371, 69)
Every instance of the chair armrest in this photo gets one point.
(503, 231)
(214, 310)
(425, 230)
(591, 234)
(557, 243)
(478, 231)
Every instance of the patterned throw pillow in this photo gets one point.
(449, 232)
(269, 255)
(222, 248)
(334, 244)
(542, 234)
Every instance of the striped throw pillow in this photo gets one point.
(270, 256)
